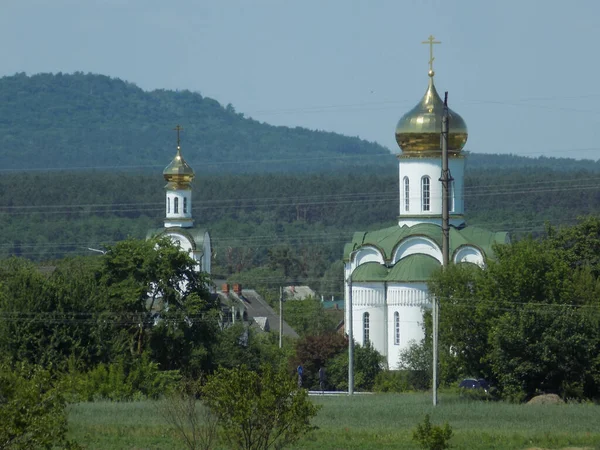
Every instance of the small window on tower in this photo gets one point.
(168, 205)
(425, 193)
(406, 194)
(451, 199)
(176, 205)
(396, 328)
(185, 205)
(365, 328)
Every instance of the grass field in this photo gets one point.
(366, 422)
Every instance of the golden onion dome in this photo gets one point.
(178, 173)
(418, 132)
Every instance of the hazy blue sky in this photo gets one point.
(522, 73)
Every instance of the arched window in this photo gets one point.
(396, 328)
(451, 199)
(168, 205)
(176, 205)
(406, 194)
(365, 328)
(425, 193)
(185, 205)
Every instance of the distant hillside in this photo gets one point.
(85, 120)
(79, 120)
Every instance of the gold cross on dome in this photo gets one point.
(178, 128)
(431, 41)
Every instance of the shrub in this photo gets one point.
(391, 381)
(432, 437)
(258, 410)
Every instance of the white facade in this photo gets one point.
(179, 208)
(421, 191)
(199, 251)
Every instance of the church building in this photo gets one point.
(386, 271)
(178, 222)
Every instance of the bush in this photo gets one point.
(258, 410)
(432, 437)
(391, 381)
(119, 381)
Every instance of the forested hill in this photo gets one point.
(84, 120)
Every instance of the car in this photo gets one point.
(475, 383)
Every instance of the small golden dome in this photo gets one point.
(418, 132)
(178, 173)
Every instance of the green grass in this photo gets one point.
(366, 421)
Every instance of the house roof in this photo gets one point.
(258, 309)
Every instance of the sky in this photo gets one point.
(521, 73)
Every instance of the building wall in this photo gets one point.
(381, 301)
(414, 169)
(409, 300)
(183, 216)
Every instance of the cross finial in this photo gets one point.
(178, 128)
(431, 41)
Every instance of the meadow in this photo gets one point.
(381, 421)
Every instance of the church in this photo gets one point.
(386, 271)
(178, 222)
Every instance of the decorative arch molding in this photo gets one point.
(469, 254)
(367, 254)
(417, 245)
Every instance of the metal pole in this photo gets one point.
(280, 316)
(445, 179)
(445, 188)
(350, 336)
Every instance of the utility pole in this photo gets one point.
(445, 179)
(280, 316)
(350, 336)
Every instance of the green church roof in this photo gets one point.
(371, 271)
(413, 268)
(388, 239)
(416, 267)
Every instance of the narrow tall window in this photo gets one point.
(365, 328)
(425, 193)
(406, 194)
(396, 328)
(185, 205)
(176, 205)
(168, 205)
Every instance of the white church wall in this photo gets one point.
(179, 208)
(207, 254)
(469, 254)
(415, 245)
(408, 300)
(369, 298)
(414, 170)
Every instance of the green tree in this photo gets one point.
(308, 317)
(154, 289)
(258, 410)
(368, 363)
(32, 409)
(52, 317)
(524, 322)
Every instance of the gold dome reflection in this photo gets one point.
(419, 131)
